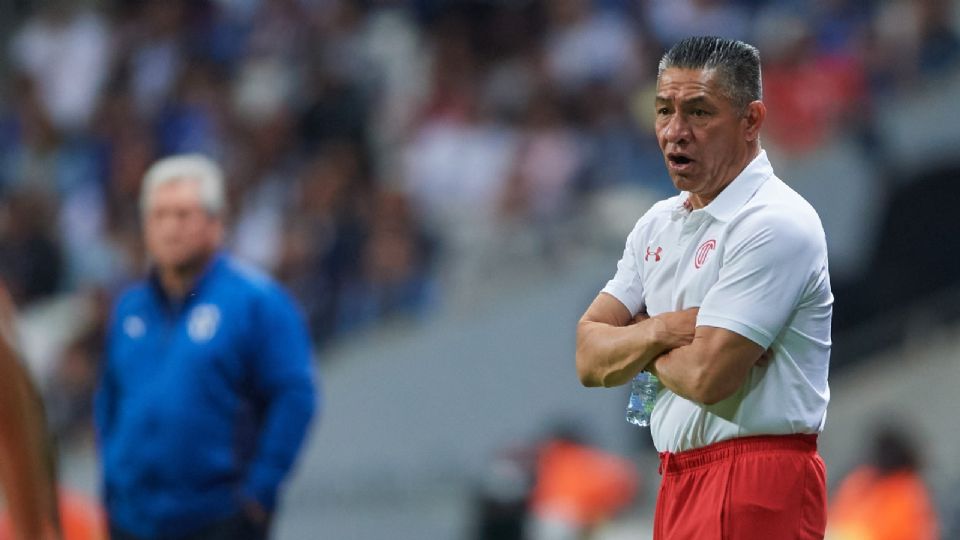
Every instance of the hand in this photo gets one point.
(638, 318)
(677, 328)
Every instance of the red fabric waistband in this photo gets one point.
(690, 459)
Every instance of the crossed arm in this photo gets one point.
(701, 363)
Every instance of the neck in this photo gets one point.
(700, 200)
(177, 280)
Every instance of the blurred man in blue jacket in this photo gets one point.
(207, 390)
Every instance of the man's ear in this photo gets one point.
(753, 117)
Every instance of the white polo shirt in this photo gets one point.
(755, 262)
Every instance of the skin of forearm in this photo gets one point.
(673, 372)
(699, 373)
(610, 355)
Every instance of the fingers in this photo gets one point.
(679, 327)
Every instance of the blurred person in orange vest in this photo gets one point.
(578, 489)
(885, 499)
(26, 461)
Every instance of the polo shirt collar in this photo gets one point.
(740, 190)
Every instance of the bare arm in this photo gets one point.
(711, 368)
(26, 474)
(612, 347)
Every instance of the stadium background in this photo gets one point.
(444, 185)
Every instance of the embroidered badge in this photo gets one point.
(134, 327)
(702, 252)
(203, 322)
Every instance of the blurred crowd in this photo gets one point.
(374, 146)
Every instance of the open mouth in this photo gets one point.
(678, 159)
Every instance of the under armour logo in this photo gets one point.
(656, 254)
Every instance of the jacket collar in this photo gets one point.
(217, 261)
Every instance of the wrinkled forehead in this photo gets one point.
(674, 81)
(687, 84)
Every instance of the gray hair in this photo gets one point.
(737, 65)
(191, 167)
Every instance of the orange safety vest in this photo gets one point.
(581, 485)
(871, 506)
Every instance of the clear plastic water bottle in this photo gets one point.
(643, 395)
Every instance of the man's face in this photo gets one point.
(179, 232)
(703, 136)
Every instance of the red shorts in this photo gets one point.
(763, 488)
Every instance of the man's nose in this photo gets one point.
(676, 130)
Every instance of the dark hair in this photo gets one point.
(736, 63)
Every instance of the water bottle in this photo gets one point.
(643, 395)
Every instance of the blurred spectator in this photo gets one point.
(194, 119)
(69, 392)
(65, 50)
(336, 110)
(620, 145)
(30, 258)
(560, 488)
(538, 195)
(155, 53)
(578, 489)
(325, 234)
(809, 94)
(503, 495)
(548, 159)
(585, 44)
(910, 41)
(673, 20)
(264, 170)
(840, 26)
(886, 498)
(395, 263)
(227, 450)
(455, 172)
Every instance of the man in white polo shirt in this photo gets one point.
(723, 294)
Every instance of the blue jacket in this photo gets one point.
(204, 405)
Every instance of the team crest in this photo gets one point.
(702, 252)
(134, 327)
(203, 323)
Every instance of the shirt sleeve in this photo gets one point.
(627, 285)
(283, 376)
(769, 260)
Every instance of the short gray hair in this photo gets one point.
(191, 167)
(736, 63)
